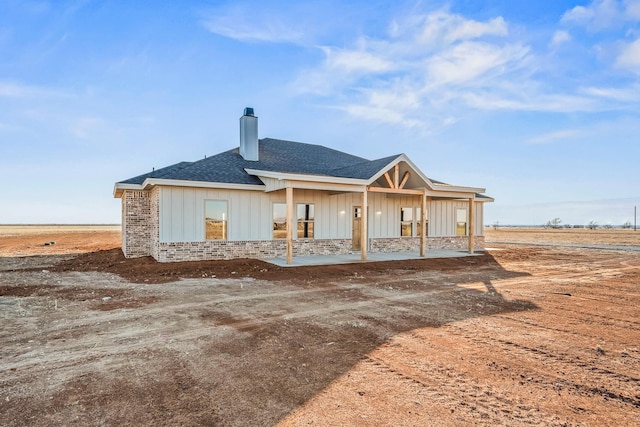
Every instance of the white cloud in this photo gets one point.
(528, 99)
(282, 22)
(381, 114)
(268, 30)
(391, 80)
(632, 9)
(603, 14)
(626, 94)
(467, 61)
(556, 136)
(629, 57)
(432, 67)
(598, 15)
(560, 37)
(356, 61)
(19, 90)
(443, 27)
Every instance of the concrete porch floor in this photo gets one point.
(299, 261)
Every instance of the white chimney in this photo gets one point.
(249, 135)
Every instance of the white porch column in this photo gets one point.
(423, 225)
(364, 240)
(289, 197)
(472, 222)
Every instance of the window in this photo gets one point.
(410, 222)
(406, 222)
(215, 214)
(279, 220)
(461, 222)
(305, 217)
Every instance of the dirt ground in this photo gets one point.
(521, 335)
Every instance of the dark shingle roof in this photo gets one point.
(275, 155)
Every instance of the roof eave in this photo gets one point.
(119, 188)
(458, 188)
(306, 177)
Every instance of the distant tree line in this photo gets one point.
(592, 225)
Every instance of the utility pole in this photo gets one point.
(635, 211)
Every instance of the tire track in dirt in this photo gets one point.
(440, 383)
(541, 326)
(551, 363)
(604, 320)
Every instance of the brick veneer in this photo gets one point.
(405, 244)
(261, 249)
(264, 249)
(136, 216)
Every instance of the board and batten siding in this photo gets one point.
(443, 213)
(250, 213)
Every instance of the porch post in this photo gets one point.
(423, 225)
(364, 240)
(289, 197)
(472, 221)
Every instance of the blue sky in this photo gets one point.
(537, 101)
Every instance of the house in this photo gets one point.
(272, 198)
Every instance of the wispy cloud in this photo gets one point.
(629, 57)
(19, 90)
(627, 94)
(257, 23)
(598, 15)
(553, 137)
(430, 67)
(621, 129)
(560, 37)
(269, 30)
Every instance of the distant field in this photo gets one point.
(17, 230)
(622, 237)
(24, 240)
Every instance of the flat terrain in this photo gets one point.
(521, 335)
(20, 240)
(578, 236)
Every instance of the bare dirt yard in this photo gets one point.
(520, 335)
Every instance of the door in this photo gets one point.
(356, 231)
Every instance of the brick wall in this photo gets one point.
(136, 230)
(260, 249)
(405, 244)
(154, 222)
(264, 249)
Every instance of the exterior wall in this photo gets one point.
(442, 214)
(181, 213)
(154, 221)
(168, 224)
(250, 213)
(136, 224)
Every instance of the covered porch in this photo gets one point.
(398, 178)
